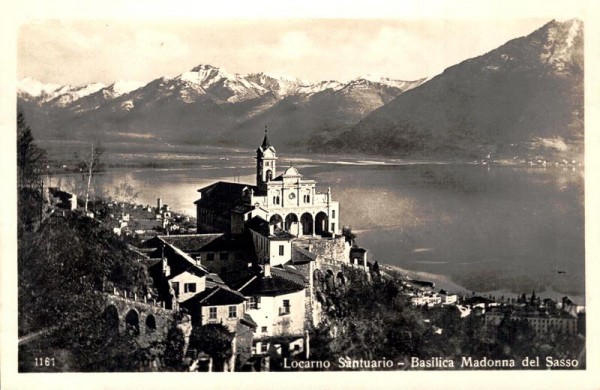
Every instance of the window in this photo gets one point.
(253, 303)
(232, 311)
(175, 286)
(306, 198)
(263, 329)
(281, 250)
(264, 347)
(223, 256)
(333, 227)
(285, 309)
(332, 213)
(189, 287)
(210, 256)
(212, 313)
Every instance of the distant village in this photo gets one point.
(258, 258)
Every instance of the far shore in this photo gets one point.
(445, 283)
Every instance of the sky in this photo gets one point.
(81, 51)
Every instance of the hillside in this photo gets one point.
(524, 96)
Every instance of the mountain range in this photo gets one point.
(524, 94)
(204, 105)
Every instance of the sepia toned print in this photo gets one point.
(313, 204)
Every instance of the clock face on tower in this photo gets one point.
(292, 196)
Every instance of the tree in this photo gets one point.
(214, 340)
(90, 165)
(174, 348)
(30, 158)
(125, 192)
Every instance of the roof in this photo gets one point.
(261, 226)
(270, 286)
(251, 281)
(186, 242)
(247, 319)
(215, 296)
(179, 262)
(223, 196)
(290, 273)
(194, 244)
(301, 255)
(266, 143)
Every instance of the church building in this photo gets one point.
(286, 201)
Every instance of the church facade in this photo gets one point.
(287, 201)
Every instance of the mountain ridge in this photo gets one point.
(501, 102)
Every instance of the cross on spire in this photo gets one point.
(266, 143)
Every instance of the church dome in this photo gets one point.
(291, 171)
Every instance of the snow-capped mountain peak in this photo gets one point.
(281, 85)
(35, 88)
(119, 88)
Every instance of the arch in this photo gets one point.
(276, 220)
(132, 322)
(269, 175)
(289, 220)
(317, 275)
(110, 317)
(307, 223)
(341, 278)
(150, 323)
(329, 279)
(321, 223)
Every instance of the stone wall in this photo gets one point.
(150, 318)
(332, 250)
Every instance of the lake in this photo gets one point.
(505, 229)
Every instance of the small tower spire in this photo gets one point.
(266, 143)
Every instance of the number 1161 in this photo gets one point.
(44, 362)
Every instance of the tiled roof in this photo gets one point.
(194, 244)
(249, 321)
(216, 296)
(190, 242)
(289, 273)
(252, 282)
(270, 286)
(301, 255)
(179, 262)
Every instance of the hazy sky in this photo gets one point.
(79, 52)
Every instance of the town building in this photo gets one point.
(287, 201)
(541, 321)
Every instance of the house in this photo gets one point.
(448, 298)
(217, 252)
(272, 244)
(276, 301)
(427, 299)
(542, 322)
(218, 304)
(177, 276)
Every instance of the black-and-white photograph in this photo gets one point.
(300, 194)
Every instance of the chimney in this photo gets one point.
(159, 203)
(267, 270)
(271, 229)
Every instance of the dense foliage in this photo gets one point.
(374, 320)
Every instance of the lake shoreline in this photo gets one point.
(446, 283)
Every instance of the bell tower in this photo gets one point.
(266, 163)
